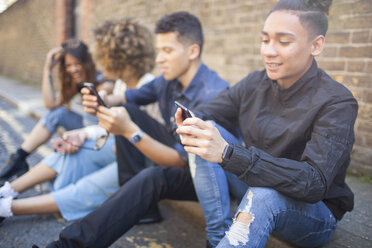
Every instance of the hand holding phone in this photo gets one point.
(93, 91)
(186, 113)
(58, 145)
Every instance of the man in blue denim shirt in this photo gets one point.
(185, 79)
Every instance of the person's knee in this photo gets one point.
(238, 233)
(239, 230)
(244, 217)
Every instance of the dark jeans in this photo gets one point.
(142, 190)
(130, 159)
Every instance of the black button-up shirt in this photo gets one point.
(297, 140)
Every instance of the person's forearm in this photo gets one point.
(156, 151)
(47, 88)
(114, 100)
(159, 153)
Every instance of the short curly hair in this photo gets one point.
(124, 48)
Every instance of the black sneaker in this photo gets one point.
(14, 168)
(152, 216)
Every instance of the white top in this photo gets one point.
(96, 131)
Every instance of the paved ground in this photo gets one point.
(23, 231)
(177, 230)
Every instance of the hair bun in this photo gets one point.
(322, 5)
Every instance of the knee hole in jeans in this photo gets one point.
(239, 230)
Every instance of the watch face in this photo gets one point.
(137, 137)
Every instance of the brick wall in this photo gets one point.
(348, 59)
(27, 31)
(232, 33)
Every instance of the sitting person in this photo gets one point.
(85, 177)
(298, 129)
(185, 79)
(75, 66)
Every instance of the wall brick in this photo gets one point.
(330, 51)
(338, 37)
(368, 140)
(363, 7)
(331, 65)
(365, 117)
(339, 8)
(367, 96)
(361, 81)
(356, 51)
(356, 66)
(360, 36)
(356, 22)
(365, 126)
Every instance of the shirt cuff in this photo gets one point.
(129, 96)
(239, 161)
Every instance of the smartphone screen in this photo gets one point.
(93, 91)
(186, 113)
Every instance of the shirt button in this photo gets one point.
(171, 119)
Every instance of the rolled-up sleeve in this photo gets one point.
(142, 96)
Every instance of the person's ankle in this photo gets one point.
(7, 191)
(6, 207)
(21, 154)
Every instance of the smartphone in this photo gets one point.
(186, 113)
(93, 91)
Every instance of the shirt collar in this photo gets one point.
(195, 84)
(301, 86)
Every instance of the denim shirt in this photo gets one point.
(205, 85)
(298, 140)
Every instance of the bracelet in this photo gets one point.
(227, 152)
(50, 79)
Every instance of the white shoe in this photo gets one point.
(6, 207)
(6, 190)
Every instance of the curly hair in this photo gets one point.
(80, 51)
(124, 48)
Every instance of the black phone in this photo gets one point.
(186, 113)
(93, 91)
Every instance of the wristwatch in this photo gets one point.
(227, 152)
(136, 137)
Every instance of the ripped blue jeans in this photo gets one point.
(300, 223)
(213, 187)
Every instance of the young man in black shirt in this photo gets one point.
(297, 124)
